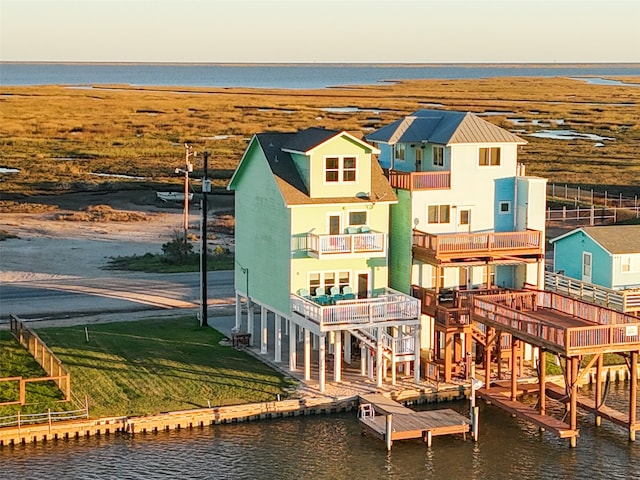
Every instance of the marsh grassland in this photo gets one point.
(59, 138)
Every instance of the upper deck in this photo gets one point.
(558, 323)
(447, 247)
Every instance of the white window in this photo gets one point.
(489, 156)
(505, 207)
(438, 156)
(327, 280)
(630, 263)
(340, 169)
(400, 151)
(438, 214)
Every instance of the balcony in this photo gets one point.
(452, 246)
(414, 181)
(371, 244)
(389, 308)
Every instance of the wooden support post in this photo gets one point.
(598, 394)
(542, 380)
(633, 395)
(278, 338)
(487, 360)
(347, 347)
(363, 359)
(322, 345)
(337, 357)
(514, 368)
(476, 423)
(573, 414)
(263, 330)
(499, 353)
(448, 352)
(429, 438)
(388, 431)
(307, 354)
(379, 358)
(292, 346)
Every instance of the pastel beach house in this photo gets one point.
(312, 238)
(599, 264)
(467, 222)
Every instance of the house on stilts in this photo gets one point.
(312, 236)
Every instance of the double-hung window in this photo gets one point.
(489, 156)
(438, 214)
(340, 169)
(400, 151)
(438, 156)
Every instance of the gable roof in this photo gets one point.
(277, 148)
(615, 239)
(442, 127)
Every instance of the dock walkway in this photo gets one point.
(407, 424)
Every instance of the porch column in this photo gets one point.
(633, 395)
(347, 347)
(370, 362)
(322, 345)
(263, 329)
(416, 353)
(238, 322)
(541, 274)
(292, 346)
(337, 357)
(363, 359)
(307, 355)
(487, 357)
(278, 338)
(394, 334)
(499, 354)
(598, 400)
(379, 358)
(251, 312)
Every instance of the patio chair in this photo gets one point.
(347, 293)
(351, 230)
(335, 294)
(321, 297)
(364, 229)
(304, 293)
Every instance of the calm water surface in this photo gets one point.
(332, 447)
(303, 76)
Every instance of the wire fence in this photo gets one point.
(590, 207)
(22, 419)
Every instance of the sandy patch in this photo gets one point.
(47, 248)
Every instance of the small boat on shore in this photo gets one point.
(172, 196)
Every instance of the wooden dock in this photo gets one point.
(615, 416)
(501, 397)
(404, 423)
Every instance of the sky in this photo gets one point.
(321, 31)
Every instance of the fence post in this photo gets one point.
(605, 198)
(592, 196)
(49, 416)
(23, 391)
(620, 200)
(579, 197)
(566, 191)
(593, 213)
(615, 212)
(564, 213)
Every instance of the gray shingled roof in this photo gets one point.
(288, 179)
(616, 239)
(442, 127)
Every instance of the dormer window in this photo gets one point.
(340, 169)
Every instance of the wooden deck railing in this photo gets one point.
(521, 313)
(326, 245)
(452, 244)
(389, 306)
(420, 180)
(42, 354)
(621, 300)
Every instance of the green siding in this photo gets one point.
(262, 234)
(400, 243)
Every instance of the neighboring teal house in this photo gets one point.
(467, 219)
(312, 233)
(603, 256)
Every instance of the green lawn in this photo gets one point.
(152, 366)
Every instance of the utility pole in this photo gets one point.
(206, 188)
(188, 167)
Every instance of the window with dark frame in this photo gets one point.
(438, 214)
(438, 156)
